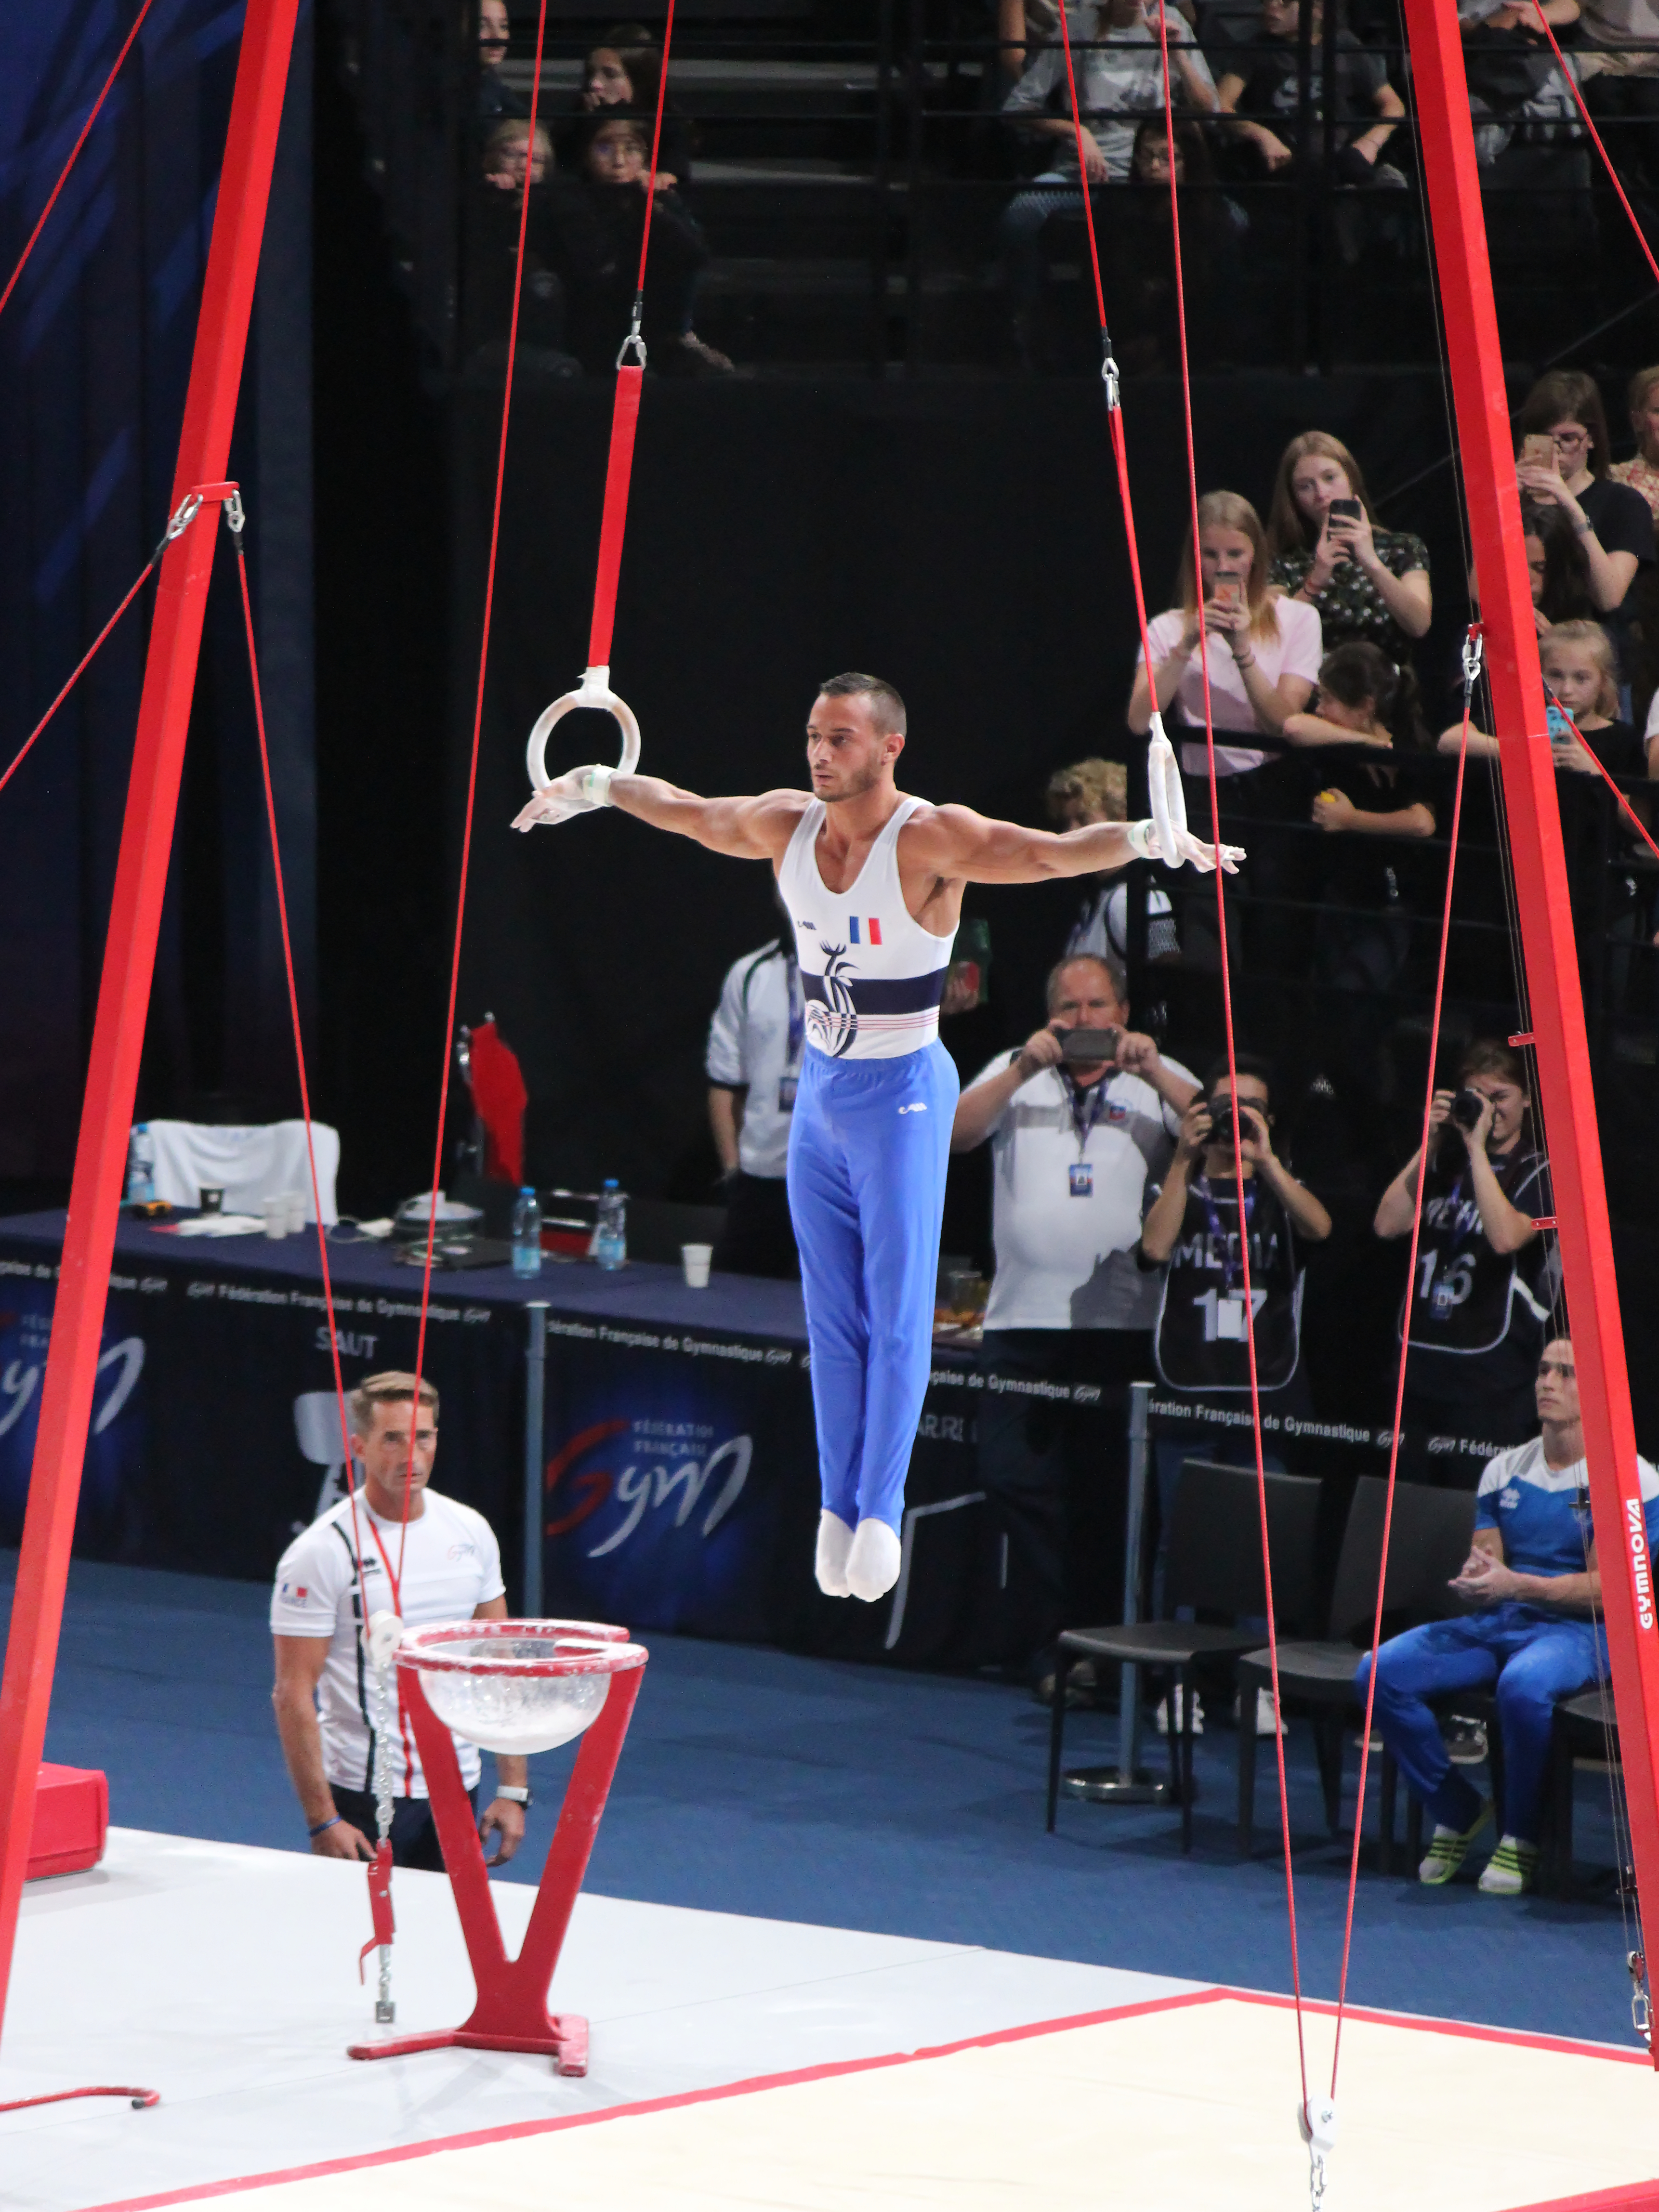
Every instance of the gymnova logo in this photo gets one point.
(1641, 1561)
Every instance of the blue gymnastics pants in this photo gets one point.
(869, 1144)
(1534, 1658)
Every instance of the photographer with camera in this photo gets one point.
(1079, 1117)
(1487, 1275)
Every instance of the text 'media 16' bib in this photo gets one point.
(872, 977)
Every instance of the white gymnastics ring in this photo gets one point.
(595, 690)
(1165, 793)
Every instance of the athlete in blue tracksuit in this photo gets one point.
(1533, 1573)
(873, 884)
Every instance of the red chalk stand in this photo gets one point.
(510, 2013)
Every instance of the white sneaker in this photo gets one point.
(1264, 1711)
(835, 1542)
(1162, 1713)
(872, 1562)
(1511, 1870)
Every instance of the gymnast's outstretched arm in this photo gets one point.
(961, 844)
(757, 828)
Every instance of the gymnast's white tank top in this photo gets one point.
(870, 975)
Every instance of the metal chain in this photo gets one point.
(1315, 2179)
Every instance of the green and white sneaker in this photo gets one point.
(1449, 1847)
(1512, 1869)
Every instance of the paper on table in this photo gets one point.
(222, 1224)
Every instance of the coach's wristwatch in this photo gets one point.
(524, 1798)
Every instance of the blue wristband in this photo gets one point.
(333, 1822)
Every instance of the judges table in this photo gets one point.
(675, 1476)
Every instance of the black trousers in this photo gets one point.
(759, 1237)
(1055, 1475)
(414, 1830)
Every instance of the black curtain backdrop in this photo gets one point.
(963, 541)
(94, 352)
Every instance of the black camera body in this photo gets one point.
(1466, 1108)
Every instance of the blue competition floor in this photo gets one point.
(906, 1804)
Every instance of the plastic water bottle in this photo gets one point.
(610, 1230)
(141, 1166)
(527, 1235)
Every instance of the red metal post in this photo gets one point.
(1540, 884)
(117, 1039)
(511, 2011)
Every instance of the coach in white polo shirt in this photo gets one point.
(444, 1564)
(1073, 1148)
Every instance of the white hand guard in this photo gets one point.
(579, 791)
(1171, 841)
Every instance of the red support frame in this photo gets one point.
(216, 376)
(510, 2013)
(1567, 1095)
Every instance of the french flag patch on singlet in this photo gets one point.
(858, 922)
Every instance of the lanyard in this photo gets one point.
(1201, 1191)
(1094, 1099)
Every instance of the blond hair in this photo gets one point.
(392, 1388)
(1599, 645)
(1100, 786)
(1289, 530)
(1231, 510)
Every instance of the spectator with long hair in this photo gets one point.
(1641, 472)
(1260, 654)
(1367, 583)
(1613, 522)
(625, 71)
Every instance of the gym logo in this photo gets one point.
(687, 1468)
(919, 1108)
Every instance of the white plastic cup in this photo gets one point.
(274, 1211)
(296, 1211)
(696, 1260)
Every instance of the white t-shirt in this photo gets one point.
(1296, 651)
(1120, 72)
(755, 1042)
(452, 1565)
(1103, 926)
(1066, 1260)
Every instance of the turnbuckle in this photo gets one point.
(1473, 648)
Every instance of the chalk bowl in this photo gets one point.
(518, 1685)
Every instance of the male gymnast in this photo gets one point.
(873, 882)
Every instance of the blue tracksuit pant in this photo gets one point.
(869, 1144)
(1534, 1657)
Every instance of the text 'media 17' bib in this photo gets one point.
(871, 976)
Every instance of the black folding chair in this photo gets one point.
(1215, 1567)
(1429, 1541)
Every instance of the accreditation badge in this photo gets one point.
(1082, 1177)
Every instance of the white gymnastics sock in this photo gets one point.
(872, 1564)
(835, 1542)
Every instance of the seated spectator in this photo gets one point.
(1119, 76)
(1367, 583)
(1072, 1146)
(1526, 129)
(753, 1063)
(496, 99)
(1486, 1274)
(1263, 90)
(1381, 787)
(1140, 269)
(626, 72)
(1618, 63)
(1581, 676)
(1613, 523)
(1260, 654)
(1201, 1340)
(600, 224)
(1641, 473)
(1120, 79)
(1556, 566)
(491, 259)
(1098, 791)
(1534, 1579)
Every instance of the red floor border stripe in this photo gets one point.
(1640, 2196)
